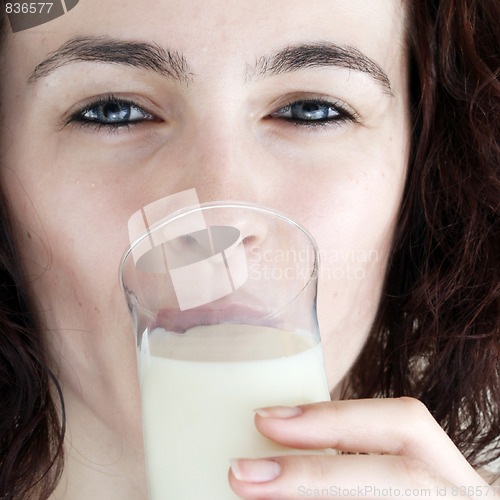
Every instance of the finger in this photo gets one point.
(351, 476)
(402, 427)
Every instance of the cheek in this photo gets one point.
(71, 237)
(352, 218)
(349, 292)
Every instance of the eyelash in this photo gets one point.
(80, 119)
(341, 114)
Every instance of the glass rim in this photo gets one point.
(210, 205)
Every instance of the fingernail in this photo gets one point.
(255, 471)
(279, 411)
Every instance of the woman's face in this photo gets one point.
(295, 105)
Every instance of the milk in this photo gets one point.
(199, 390)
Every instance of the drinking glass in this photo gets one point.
(223, 300)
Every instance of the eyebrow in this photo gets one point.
(137, 54)
(318, 55)
(171, 64)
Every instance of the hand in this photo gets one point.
(404, 453)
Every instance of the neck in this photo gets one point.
(100, 460)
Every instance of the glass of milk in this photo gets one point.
(223, 300)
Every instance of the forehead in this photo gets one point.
(214, 35)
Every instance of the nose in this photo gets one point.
(252, 222)
(223, 159)
(224, 166)
(217, 150)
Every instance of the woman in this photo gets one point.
(375, 124)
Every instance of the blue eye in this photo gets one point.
(111, 112)
(312, 112)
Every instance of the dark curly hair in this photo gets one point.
(437, 333)
(31, 433)
(31, 421)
